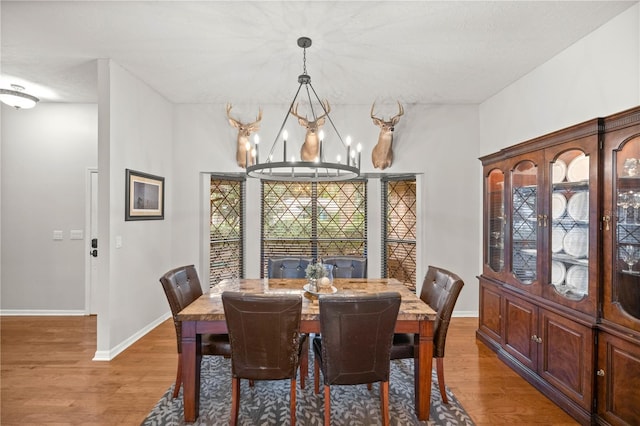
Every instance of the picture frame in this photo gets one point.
(144, 196)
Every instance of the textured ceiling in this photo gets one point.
(246, 52)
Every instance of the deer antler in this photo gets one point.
(400, 112)
(325, 107)
(294, 111)
(229, 106)
(240, 124)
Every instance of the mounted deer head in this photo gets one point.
(311, 147)
(382, 154)
(244, 131)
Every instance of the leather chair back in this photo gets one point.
(287, 267)
(181, 286)
(357, 332)
(265, 334)
(440, 290)
(347, 266)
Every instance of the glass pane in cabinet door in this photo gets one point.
(495, 217)
(524, 221)
(626, 289)
(569, 224)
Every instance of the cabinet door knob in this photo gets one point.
(600, 372)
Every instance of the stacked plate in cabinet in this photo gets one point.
(558, 205)
(558, 272)
(578, 278)
(557, 239)
(578, 169)
(578, 206)
(559, 171)
(576, 242)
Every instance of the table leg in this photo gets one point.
(191, 356)
(422, 365)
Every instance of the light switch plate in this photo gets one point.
(118, 241)
(76, 234)
(57, 235)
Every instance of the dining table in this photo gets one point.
(205, 315)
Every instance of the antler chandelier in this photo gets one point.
(312, 165)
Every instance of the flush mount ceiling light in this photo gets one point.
(311, 166)
(16, 97)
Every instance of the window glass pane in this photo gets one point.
(524, 224)
(626, 283)
(225, 229)
(313, 220)
(399, 245)
(569, 239)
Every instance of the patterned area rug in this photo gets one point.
(267, 402)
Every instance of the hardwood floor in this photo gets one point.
(47, 376)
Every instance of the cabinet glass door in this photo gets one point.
(569, 223)
(495, 220)
(524, 222)
(626, 285)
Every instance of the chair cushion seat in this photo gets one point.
(402, 346)
(216, 344)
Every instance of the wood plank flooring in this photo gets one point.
(47, 376)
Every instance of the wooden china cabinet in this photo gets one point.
(618, 367)
(557, 302)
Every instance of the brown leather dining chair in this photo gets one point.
(182, 286)
(265, 341)
(440, 290)
(347, 266)
(357, 332)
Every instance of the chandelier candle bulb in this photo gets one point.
(359, 148)
(285, 135)
(348, 141)
(256, 139)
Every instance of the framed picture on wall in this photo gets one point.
(144, 196)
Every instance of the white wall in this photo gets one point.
(597, 76)
(46, 153)
(135, 133)
(437, 141)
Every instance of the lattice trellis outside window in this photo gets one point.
(399, 230)
(313, 220)
(226, 240)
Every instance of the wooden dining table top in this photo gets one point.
(208, 307)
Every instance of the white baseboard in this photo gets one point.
(41, 313)
(113, 352)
